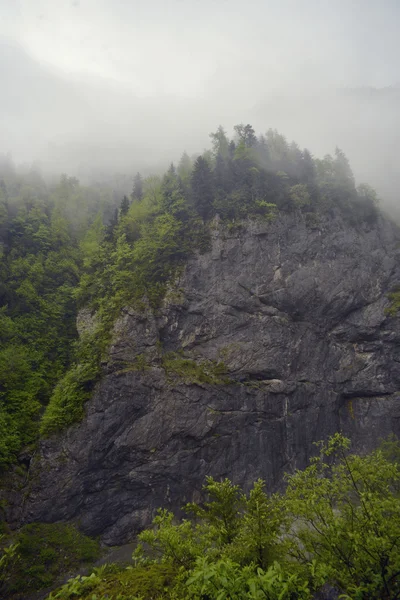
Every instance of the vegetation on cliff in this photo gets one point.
(65, 246)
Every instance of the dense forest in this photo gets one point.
(65, 246)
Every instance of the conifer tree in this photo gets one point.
(202, 187)
(137, 192)
(184, 167)
(124, 207)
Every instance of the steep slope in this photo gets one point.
(296, 312)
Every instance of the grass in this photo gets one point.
(394, 298)
(192, 371)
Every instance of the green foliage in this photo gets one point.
(71, 392)
(191, 371)
(222, 510)
(39, 269)
(338, 522)
(140, 363)
(113, 583)
(228, 525)
(299, 195)
(38, 554)
(246, 135)
(184, 169)
(394, 297)
(178, 544)
(257, 540)
(202, 187)
(156, 255)
(345, 513)
(18, 405)
(124, 207)
(66, 404)
(8, 557)
(137, 191)
(220, 143)
(238, 206)
(226, 579)
(41, 227)
(148, 248)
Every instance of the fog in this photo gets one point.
(91, 87)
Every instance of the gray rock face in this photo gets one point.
(297, 315)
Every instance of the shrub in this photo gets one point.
(44, 552)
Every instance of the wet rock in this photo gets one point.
(297, 315)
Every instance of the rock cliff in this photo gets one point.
(296, 313)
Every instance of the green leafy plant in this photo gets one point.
(120, 583)
(226, 579)
(345, 513)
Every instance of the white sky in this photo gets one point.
(188, 47)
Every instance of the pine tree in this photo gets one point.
(4, 210)
(174, 199)
(202, 187)
(343, 174)
(184, 167)
(223, 175)
(109, 232)
(170, 188)
(137, 192)
(308, 167)
(124, 207)
(262, 152)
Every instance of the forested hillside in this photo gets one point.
(65, 246)
(40, 265)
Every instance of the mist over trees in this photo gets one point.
(65, 246)
(95, 127)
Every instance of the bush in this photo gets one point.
(226, 579)
(114, 583)
(44, 552)
(345, 514)
(70, 394)
(66, 405)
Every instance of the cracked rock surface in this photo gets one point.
(297, 315)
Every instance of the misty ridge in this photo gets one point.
(199, 299)
(101, 128)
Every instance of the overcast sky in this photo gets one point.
(107, 76)
(184, 46)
